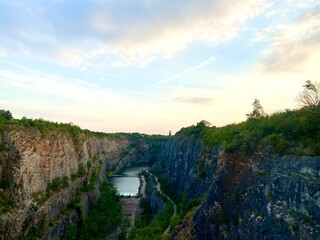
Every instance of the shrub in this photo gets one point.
(104, 217)
(6, 203)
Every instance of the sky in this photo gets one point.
(154, 66)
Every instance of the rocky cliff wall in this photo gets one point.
(42, 173)
(257, 196)
(262, 198)
(188, 166)
(153, 197)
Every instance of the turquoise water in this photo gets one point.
(127, 181)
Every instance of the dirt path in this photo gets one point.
(143, 186)
(158, 186)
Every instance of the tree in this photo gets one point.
(203, 124)
(6, 114)
(310, 95)
(257, 112)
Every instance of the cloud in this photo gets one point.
(162, 29)
(294, 46)
(271, 13)
(179, 75)
(196, 100)
(72, 89)
(198, 96)
(135, 32)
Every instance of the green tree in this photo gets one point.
(257, 112)
(203, 124)
(310, 95)
(6, 114)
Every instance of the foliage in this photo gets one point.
(257, 112)
(288, 132)
(154, 226)
(6, 203)
(36, 231)
(104, 217)
(148, 227)
(58, 183)
(71, 231)
(196, 131)
(80, 173)
(4, 184)
(6, 114)
(89, 185)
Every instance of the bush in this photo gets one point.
(104, 217)
(6, 203)
(287, 132)
(55, 184)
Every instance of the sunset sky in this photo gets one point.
(151, 66)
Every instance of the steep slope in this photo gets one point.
(262, 197)
(259, 179)
(253, 192)
(46, 176)
(256, 197)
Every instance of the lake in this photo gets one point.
(127, 180)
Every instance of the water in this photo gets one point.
(127, 181)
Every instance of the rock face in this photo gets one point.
(267, 198)
(47, 179)
(188, 166)
(249, 197)
(42, 174)
(152, 196)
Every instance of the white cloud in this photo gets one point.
(294, 46)
(71, 88)
(174, 25)
(271, 13)
(137, 32)
(199, 96)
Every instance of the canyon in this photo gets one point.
(48, 179)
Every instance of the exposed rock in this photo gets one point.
(250, 197)
(153, 196)
(35, 166)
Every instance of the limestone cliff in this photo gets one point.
(256, 196)
(47, 178)
(41, 174)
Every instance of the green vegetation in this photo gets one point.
(294, 227)
(153, 227)
(48, 127)
(4, 184)
(6, 203)
(58, 183)
(301, 215)
(55, 185)
(257, 112)
(89, 185)
(6, 115)
(103, 219)
(149, 227)
(290, 132)
(71, 231)
(81, 172)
